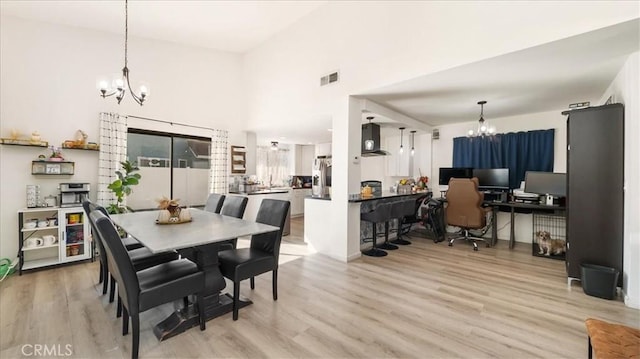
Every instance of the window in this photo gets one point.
(273, 166)
(518, 151)
(171, 165)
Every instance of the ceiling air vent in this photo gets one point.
(435, 134)
(329, 79)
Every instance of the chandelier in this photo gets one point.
(483, 125)
(120, 86)
(274, 145)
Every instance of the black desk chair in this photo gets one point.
(214, 203)
(149, 288)
(234, 206)
(141, 257)
(380, 214)
(261, 256)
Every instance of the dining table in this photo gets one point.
(198, 240)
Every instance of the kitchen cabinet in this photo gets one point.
(255, 200)
(52, 235)
(304, 160)
(398, 163)
(323, 149)
(297, 201)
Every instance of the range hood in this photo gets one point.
(371, 132)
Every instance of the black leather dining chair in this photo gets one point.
(141, 257)
(262, 254)
(234, 206)
(129, 242)
(148, 288)
(214, 203)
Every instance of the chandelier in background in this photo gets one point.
(119, 85)
(274, 145)
(483, 125)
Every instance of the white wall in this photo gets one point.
(49, 75)
(625, 89)
(374, 44)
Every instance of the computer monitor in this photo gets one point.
(492, 178)
(547, 183)
(446, 173)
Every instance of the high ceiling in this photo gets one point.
(542, 78)
(234, 26)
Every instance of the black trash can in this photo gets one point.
(599, 281)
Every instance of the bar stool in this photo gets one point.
(399, 211)
(378, 215)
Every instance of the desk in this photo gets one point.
(512, 207)
(197, 240)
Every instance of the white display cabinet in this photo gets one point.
(52, 235)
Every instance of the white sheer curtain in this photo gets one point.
(219, 165)
(274, 165)
(113, 150)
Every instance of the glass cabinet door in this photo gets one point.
(74, 235)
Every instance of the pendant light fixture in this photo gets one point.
(413, 142)
(274, 145)
(121, 85)
(369, 143)
(483, 125)
(401, 132)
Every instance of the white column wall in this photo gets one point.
(625, 89)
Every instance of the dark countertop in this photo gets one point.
(383, 195)
(264, 191)
(323, 198)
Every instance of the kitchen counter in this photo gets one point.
(323, 198)
(255, 200)
(262, 191)
(383, 195)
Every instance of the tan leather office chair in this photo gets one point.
(464, 208)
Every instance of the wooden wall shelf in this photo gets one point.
(238, 159)
(11, 142)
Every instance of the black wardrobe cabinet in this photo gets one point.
(595, 196)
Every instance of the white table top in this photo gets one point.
(205, 228)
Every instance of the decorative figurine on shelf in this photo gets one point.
(35, 138)
(14, 134)
(170, 211)
(56, 154)
(81, 139)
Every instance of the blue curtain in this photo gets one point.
(518, 151)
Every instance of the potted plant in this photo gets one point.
(56, 154)
(122, 187)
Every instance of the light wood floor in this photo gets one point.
(422, 301)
